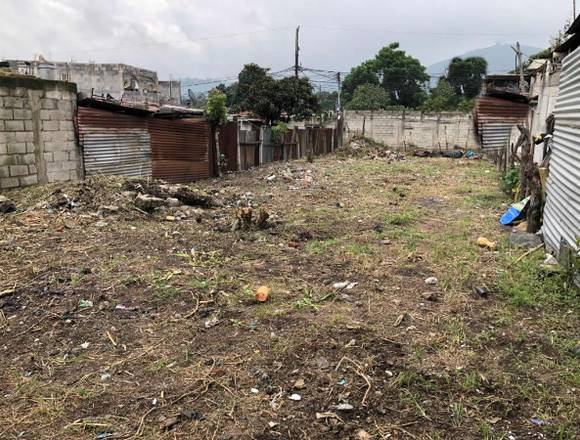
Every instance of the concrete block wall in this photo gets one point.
(401, 129)
(37, 133)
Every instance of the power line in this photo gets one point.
(188, 40)
(393, 31)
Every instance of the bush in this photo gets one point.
(510, 181)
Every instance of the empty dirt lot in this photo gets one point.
(132, 325)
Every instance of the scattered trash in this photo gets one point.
(212, 322)
(429, 296)
(483, 242)
(168, 423)
(400, 319)
(272, 424)
(299, 384)
(522, 227)
(85, 345)
(344, 285)
(255, 391)
(85, 304)
(170, 218)
(327, 415)
(295, 397)
(389, 373)
(514, 212)
(343, 407)
(148, 203)
(363, 435)
(263, 294)
(101, 224)
(105, 377)
(550, 260)
(172, 202)
(107, 210)
(6, 205)
(537, 421)
(481, 292)
(342, 382)
(431, 281)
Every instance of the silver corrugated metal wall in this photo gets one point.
(562, 211)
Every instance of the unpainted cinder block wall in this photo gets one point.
(37, 134)
(401, 129)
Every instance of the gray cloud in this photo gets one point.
(215, 38)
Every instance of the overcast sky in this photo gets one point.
(214, 38)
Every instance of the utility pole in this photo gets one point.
(297, 53)
(519, 55)
(338, 103)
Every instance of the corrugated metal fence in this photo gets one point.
(177, 151)
(495, 119)
(562, 211)
(114, 144)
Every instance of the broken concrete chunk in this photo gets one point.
(148, 203)
(524, 240)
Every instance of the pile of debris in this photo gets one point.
(298, 177)
(456, 153)
(105, 196)
(367, 148)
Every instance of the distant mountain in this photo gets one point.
(500, 59)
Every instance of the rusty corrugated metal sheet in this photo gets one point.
(180, 149)
(113, 143)
(495, 118)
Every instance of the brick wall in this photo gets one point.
(37, 135)
(400, 129)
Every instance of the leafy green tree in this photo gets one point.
(402, 76)
(327, 101)
(216, 109)
(296, 98)
(466, 76)
(271, 99)
(363, 74)
(369, 97)
(442, 98)
(231, 93)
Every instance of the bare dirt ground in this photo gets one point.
(131, 326)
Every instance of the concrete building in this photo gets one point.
(122, 82)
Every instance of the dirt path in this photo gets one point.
(137, 327)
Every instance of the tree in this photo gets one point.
(231, 93)
(442, 98)
(363, 74)
(327, 101)
(403, 76)
(216, 109)
(296, 98)
(466, 76)
(400, 75)
(271, 99)
(369, 97)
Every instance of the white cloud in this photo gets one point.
(336, 34)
